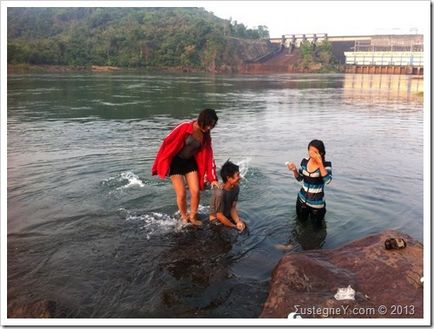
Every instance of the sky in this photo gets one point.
(331, 17)
(336, 18)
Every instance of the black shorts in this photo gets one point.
(180, 166)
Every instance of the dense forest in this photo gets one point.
(127, 37)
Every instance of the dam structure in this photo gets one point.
(371, 54)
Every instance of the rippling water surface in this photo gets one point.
(92, 230)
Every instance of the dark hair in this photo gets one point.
(228, 170)
(207, 117)
(320, 146)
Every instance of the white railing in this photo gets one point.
(397, 58)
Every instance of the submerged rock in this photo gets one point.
(387, 282)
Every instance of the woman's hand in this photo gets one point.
(316, 157)
(292, 166)
(216, 184)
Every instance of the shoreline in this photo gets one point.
(225, 69)
(244, 69)
(30, 68)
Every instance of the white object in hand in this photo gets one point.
(345, 293)
(287, 163)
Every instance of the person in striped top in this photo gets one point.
(314, 173)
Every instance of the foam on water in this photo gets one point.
(122, 96)
(202, 210)
(41, 90)
(81, 108)
(136, 85)
(119, 104)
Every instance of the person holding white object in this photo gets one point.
(314, 173)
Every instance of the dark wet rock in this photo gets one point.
(38, 309)
(307, 281)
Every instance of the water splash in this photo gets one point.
(124, 180)
(244, 167)
(157, 223)
(153, 223)
(201, 210)
(132, 179)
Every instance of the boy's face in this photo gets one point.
(235, 179)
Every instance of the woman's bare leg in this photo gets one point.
(193, 186)
(181, 200)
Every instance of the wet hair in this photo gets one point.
(207, 117)
(319, 145)
(228, 170)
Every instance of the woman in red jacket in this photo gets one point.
(187, 152)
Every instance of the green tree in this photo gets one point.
(325, 54)
(321, 53)
(307, 55)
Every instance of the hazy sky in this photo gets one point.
(332, 17)
(296, 17)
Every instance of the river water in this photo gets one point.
(89, 228)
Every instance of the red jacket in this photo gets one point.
(174, 142)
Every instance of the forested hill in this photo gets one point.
(131, 37)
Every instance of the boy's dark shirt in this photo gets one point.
(222, 200)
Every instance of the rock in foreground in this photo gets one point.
(38, 309)
(387, 282)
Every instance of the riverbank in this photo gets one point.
(29, 68)
(223, 69)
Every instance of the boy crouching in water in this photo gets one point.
(224, 201)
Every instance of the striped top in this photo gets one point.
(312, 190)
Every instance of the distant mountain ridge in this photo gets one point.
(131, 37)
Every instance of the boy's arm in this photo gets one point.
(240, 225)
(224, 220)
(234, 213)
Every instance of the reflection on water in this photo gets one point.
(383, 86)
(310, 234)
